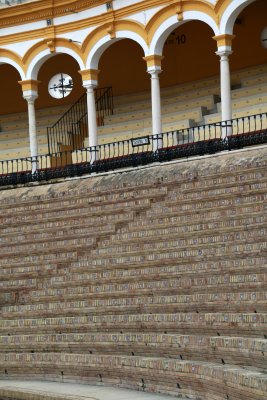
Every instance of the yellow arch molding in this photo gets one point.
(12, 56)
(110, 28)
(49, 44)
(178, 8)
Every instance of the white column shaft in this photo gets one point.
(226, 100)
(156, 104)
(92, 122)
(156, 109)
(32, 128)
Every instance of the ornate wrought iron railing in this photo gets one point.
(206, 139)
(68, 132)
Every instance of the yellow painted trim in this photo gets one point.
(29, 84)
(224, 40)
(89, 74)
(46, 10)
(153, 60)
(101, 31)
(44, 44)
(12, 56)
(172, 9)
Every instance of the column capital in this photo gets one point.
(224, 42)
(224, 54)
(153, 63)
(29, 85)
(30, 96)
(89, 77)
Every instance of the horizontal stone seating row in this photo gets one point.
(134, 303)
(249, 93)
(254, 80)
(224, 323)
(129, 272)
(103, 222)
(192, 376)
(90, 210)
(135, 229)
(105, 200)
(51, 235)
(246, 101)
(228, 350)
(69, 288)
(240, 113)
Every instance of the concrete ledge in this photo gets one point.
(41, 390)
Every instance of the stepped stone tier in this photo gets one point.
(152, 279)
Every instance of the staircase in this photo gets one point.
(69, 132)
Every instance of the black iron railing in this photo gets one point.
(206, 139)
(69, 131)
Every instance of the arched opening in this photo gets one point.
(122, 67)
(248, 49)
(189, 54)
(59, 63)
(11, 94)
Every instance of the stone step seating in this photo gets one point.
(150, 373)
(222, 349)
(15, 136)
(83, 203)
(253, 300)
(254, 80)
(243, 112)
(221, 323)
(195, 86)
(199, 304)
(248, 100)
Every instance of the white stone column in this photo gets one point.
(91, 116)
(226, 98)
(30, 98)
(156, 109)
(224, 45)
(30, 94)
(90, 82)
(154, 69)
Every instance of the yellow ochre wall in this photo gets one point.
(122, 67)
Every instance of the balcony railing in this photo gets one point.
(201, 140)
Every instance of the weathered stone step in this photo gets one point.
(67, 223)
(203, 377)
(193, 242)
(231, 227)
(230, 350)
(242, 324)
(253, 301)
(109, 200)
(85, 211)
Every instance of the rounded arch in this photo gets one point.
(101, 38)
(171, 22)
(8, 57)
(231, 13)
(44, 50)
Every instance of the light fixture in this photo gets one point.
(74, 41)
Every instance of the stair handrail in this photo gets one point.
(63, 130)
